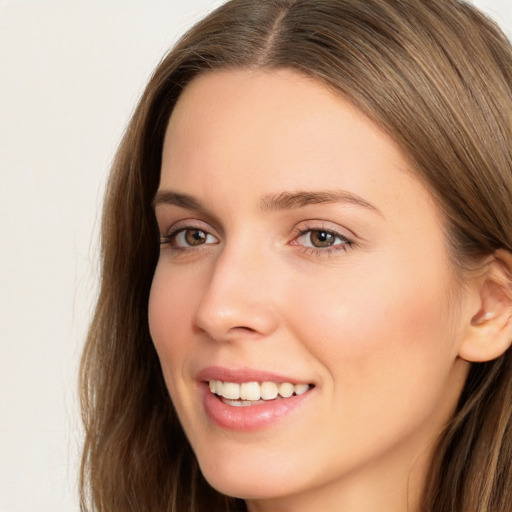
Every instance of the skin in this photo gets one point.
(374, 324)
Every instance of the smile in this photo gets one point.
(252, 393)
(247, 400)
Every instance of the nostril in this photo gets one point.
(228, 309)
(242, 328)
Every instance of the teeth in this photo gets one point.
(268, 390)
(300, 388)
(285, 389)
(218, 387)
(231, 390)
(248, 391)
(244, 394)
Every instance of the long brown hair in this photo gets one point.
(437, 76)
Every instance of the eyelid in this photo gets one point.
(190, 223)
(346, 236)
(323, 225)
(187, 224)
(168, 216)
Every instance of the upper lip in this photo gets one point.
(240, 375)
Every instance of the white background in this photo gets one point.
(70, 74)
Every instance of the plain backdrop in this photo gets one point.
(70, 75)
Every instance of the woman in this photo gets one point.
(307, 244)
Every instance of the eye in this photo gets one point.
(319, 239)
(186, 238)
(322, 240)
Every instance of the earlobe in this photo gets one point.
(489, 334)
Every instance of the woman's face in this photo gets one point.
(299, 250)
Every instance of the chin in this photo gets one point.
(250, 480)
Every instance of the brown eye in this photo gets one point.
(187, 238)
(194, 236)
(323, 241)
(321, 238)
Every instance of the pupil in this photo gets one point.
(196, 237)
(321, 238)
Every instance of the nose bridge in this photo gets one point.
(237, 299)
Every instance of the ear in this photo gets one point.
(489, 334)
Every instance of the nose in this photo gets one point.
(237, 302)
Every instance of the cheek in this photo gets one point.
(384, 331)
(170, 314)
(388, 350)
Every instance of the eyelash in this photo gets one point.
(170, 238)
(344, 245)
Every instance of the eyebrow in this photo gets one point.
(177, 199)
(295, 200)
(272, 202)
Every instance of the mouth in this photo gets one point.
(246, 399)
(247, 394)
(249, 400)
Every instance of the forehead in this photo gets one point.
(270, 131)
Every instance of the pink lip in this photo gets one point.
(252, 417)
(240, 375)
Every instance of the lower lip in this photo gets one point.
(252, 417)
